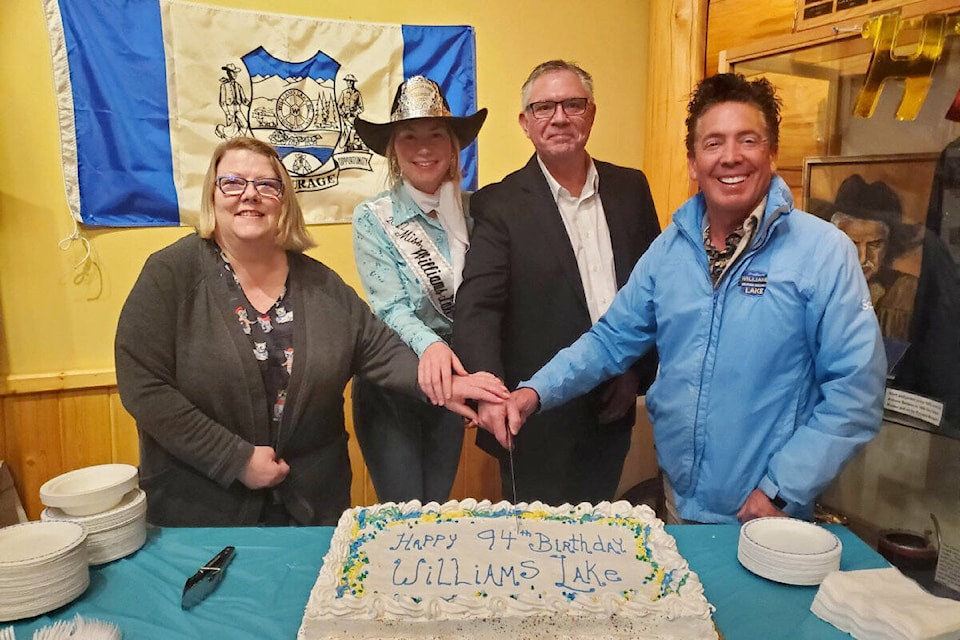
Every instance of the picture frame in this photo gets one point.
(910, 175)
(881, 203)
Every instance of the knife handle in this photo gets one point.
(221, 560)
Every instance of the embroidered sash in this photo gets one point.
(422, 256)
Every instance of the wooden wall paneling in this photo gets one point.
(805, 129)
(123, 429)
(85, 428)
(458, 491)
(479, 473)
(641, 461)
(3, 430)
(677, 29)
(361, 486)
(731, 23)
(483, 478)
(33, 445)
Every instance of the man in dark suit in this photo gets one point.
(553, 242)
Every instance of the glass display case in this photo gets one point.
(893, 185)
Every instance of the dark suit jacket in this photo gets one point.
(522, 299)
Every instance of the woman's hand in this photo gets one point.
(481, 386)
(438, 364)
(263, 469)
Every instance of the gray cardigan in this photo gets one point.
(186, 372)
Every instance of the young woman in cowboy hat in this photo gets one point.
(409, 244)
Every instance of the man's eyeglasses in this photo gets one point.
(546, 108)
(235, 185)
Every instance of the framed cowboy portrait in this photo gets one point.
(881, 203)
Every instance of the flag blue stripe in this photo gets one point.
(447, 55)
(118, 77)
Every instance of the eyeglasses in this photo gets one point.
(235, 185)
(546, 108)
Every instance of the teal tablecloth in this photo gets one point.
(267, 585)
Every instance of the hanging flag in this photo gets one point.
(147, 88)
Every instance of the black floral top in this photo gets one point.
(271, 340)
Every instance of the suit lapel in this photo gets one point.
(617, 215)
(555, 237)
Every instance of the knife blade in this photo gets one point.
(206, 579)
(513, 477)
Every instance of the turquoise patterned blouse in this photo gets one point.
(393, 291)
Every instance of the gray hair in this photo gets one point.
(841, 218)
(548, 67)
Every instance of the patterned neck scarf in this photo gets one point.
(720, 259)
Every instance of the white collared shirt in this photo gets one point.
(589, 235)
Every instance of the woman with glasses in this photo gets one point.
(409, 243)
(233, 351)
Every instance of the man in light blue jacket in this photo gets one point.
(772, 367)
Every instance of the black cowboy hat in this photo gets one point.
(418, 98)
(876, 201)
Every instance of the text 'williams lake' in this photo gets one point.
(503, 557)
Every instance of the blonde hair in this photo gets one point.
(292, 233)
(395, 176)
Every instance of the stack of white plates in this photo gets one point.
(43, 565)
(788, 550)
(111, 534)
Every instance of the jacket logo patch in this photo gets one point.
(753, 283)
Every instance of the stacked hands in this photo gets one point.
(442, 379)
(446, 383)
(503, 418)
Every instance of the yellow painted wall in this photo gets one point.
(58, 322)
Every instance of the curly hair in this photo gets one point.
(292, 233)
(734, 87)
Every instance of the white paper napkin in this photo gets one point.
(881, 604)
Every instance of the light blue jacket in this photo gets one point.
(393, 290)
(773, 380)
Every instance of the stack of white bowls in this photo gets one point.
(788, 550)
(43, 565)
(103, 499)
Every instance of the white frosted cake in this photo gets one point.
(479, 570)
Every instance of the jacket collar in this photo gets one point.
(689, 217)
